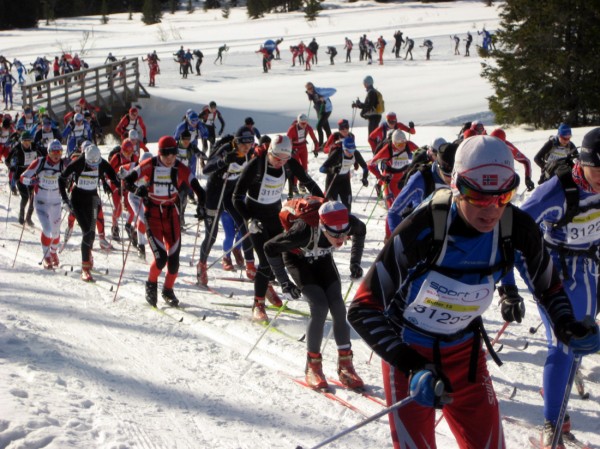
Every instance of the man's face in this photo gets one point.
(26, 144)
(482, 219)
(592, 175)
(55, 156)
(168, 160)
(243, 148)
(564, 140)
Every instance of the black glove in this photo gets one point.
(512, 306)
(365, 182)
(231, 157)
(581, 336)
(200, 212)
(385, 179)
(141, 191)
(145, 141)
(291, 289)
(106, 187)
(529, 184)
(356, 271)
(411, 124)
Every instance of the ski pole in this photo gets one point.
(281, 309)
(19, 244)
(375, 206)
(565, 401)
(330, 185)
(370, 196)
(533, 330)
(353, 117)
(364, 422)
(244, 237)
(125, 257)
(7, 209)
(214, 223)
(500, 332)
(331, 330)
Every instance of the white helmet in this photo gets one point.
(281, 147)
(398, 137)
(133, 134)
(145, 155)
(92, 155)
(302, 118)
(55, 145)
(78, 117)
(437, 143)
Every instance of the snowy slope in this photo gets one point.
(81, 370)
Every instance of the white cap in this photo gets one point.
(92, 155)
(437, 143)
(302, 118)
(398, 137)
(486, 164)
(133, 134)
(281, 147)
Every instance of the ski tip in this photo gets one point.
(500, 347)
(514, 393)
(203, 318)
(111, 288)
(181, 319)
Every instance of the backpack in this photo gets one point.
(425, 170)
(380, 108)
(305, 209)
(227, 138)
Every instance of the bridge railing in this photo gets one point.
(105, 85)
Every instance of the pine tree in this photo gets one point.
(173, 6)
(190, 7)
(311, 10)
(151, 12)
(545, 69)
(104, 12)
(256, 8)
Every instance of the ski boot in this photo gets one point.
(227, 264)
(548, 435)
(314, 372)
(115, 233)
(86, 272)
(202, 274)
(141, 251)
(104, 244)
(22, 217)
(47, 263)
(250, 270)
(238, 256)
(346, 371)
(28, 219)
(258, 310)
(68, 234)
(54, 258)
(151, 293)
(169, 297)
(273, 297)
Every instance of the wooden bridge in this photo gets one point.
(108, 86)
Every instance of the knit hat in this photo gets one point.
(398, 137)
(485, 164)
(589, 153)
(333, 216)
(343, 123)
(281, 147)
(564, 130)
(499, 133)
(167, 145)
(249, 121)
(446, 156)
(368, 80)
(244, 135)
(348, 144)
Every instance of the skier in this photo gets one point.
(220, 51)
(295, 51)
(398, 41)
(209, 115)
(298, 133)
(47, 133)
(257, 198)
(197, 130)
(165, 178)
(556, 152)
(307, 254)
(131, 120)
(42, 176)
(565, 207)
(76, 130)
(313, 46)
(338, 167)
(20, 70)
(348, 48)
(381, 43)
(394, 156)
(7, 134)
(199, 57)
(428, 350)
(468, 42)
(7, 81)
(186, 63)
(187, 152)
(153, 68)
(28, 121)
(266, 58)
(391, 123)
(519, 157)
(332, 52)
(87, 171)
(19, 158)
(321, 100)
(369, 108)
(456, 44)
(277, 52)
(429, 46)
(409, 45)
(335, 139)
(362, 47)
(126, 156)
(223, 169)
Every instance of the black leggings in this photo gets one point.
(85, 207)
(271, 227)
(323, 125)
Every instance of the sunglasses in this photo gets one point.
(169, 151)
(335, 234)
(342, 128)
(480, 199)
(280, 159)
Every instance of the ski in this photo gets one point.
(362, 391)
(164, 312)
(28, 228)
(568, 437)
(329, 395)
(270, 307)
(208, 289)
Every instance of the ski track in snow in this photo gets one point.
(80, 370)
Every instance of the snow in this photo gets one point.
(80, 369)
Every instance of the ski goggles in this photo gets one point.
(481, 199)
(169, 151)
(334, 233)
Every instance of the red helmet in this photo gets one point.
(167, 145)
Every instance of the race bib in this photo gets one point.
(347, 165)
(557, 153)
(29, 157)
(584, 229)
(49, 180)
(399, 161)
(162, 182)
(88, 180)
(446, 306)
(271, 188)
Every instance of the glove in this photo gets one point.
(385, 179)
(231, 157)
(34, 181)
(67, 206)
(581, 336)
(428, 390)
(254, 226)
(529, 184)
(200, 212)
(512, 305)
(411, 124)
(145, 141)
(122, 172)
(141, 191)
(356, 271)
(106, 187)
(291, 289)
(365, 182)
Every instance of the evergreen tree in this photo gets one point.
(211, 4)
(225, 11)
(545, 69)
(311, 10)
(173, 6)
(104, 12)
(190, 7)
(151, 12)
(257, 8)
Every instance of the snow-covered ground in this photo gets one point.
(81, 370)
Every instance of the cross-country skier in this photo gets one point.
(321, 100)
(431, 341)
(390, 123)
(556, 152)
(132, 120)
(299, 132)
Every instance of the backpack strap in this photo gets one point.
(571, 195)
